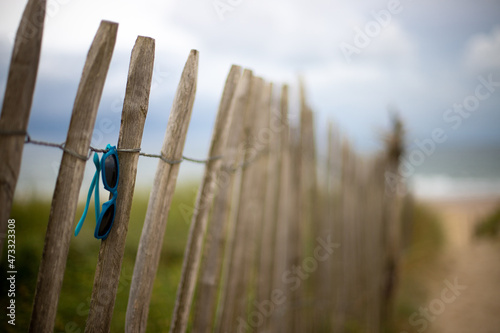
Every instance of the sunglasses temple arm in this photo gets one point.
(84, 215)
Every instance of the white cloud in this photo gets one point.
(394, 45)
(277, 39)
(284, 33)
(482, 51)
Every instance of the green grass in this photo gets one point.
(31, 223)
(418, 264)
(489, 226)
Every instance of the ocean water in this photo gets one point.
(458, 173)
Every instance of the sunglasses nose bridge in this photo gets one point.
(112, 194)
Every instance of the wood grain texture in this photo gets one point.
(277, 324)
(250, 203)
(296, 238)
(333, 214)
(69, 180)
(211, 270)
(239, 268)
(310, 210)
(226, 205)
(135, 108)
(254, 237)
(17, 102)
(193, 254)
(262, 138)
(270, 210)
(392, 215)
(347, 248)
(150, 244)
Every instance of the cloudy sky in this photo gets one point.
(358, 59)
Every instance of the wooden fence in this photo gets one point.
(283, 238)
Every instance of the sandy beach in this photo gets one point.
(472, 264)
(460, 215)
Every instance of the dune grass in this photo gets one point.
(31, 222)
(489, 226)
(417, 265)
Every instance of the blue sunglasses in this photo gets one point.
(110, 169)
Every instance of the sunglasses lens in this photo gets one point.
(111, 170)
(107, 220)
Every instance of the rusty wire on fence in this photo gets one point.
(63, 147)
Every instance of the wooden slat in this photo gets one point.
(232, 204)
(333, 211)
(150, 244)
(270, 211)
(17, 104)
(309, 209)
(374, 268)
(277, 324)
(296, 236)
(135, 109)
(69, 180)
(193, 254)
(349, 206)
(211, 270)
(392, 228)
(238, 270)
(262, 138)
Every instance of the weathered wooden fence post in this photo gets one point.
(376, 191)
(17, 104)
(281, 242)
(270, 211)
(148, 255)
(211, 269)
(135, 108)
(263, 137)
(192, 255)
(236, 283)
(309, 214)
(295, 317)
(333, 212)
(392, 228)
(250, 212)
(325, 229)
(69, 180)
(226, 306)
(345, 220)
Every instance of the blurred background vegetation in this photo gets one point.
(489, 226)
(31, 223)
(419, 264)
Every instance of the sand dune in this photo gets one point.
(475, 263)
